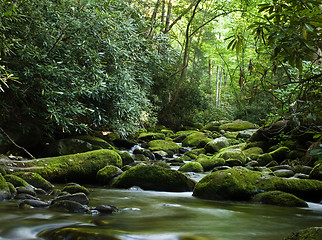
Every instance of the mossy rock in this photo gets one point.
(207, 162)
(280, 199)
(35, 180)
(69, 206)
(81, 167)
(163, 145)
(264, 159)
(253, 152)
(242, 184)
(149, 136)
(126, 158)
(75, 188)
(96, 141)
(77, 233)
(218, 161)
(313, 233)
(4, 189)
(191, 167)
(316, 172)
(231, 135)
(154, 178)
(233, 154)
(238, 125)
(280, 154)
(167, 132)
(216, 144)
(233, 162)
(17, 181)
(106, 174)
(196, 140)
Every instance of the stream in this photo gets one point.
(163, 216)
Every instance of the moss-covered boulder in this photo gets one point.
(163, 145)
(17, 181)
(96, 141)
(280, 154)
(198, 139)
(264, 159)
(75, 188)
(207, 162)
(313, 233)
(154, 178)
(191, 167)
(253, 152)
(233, 154)
(4, 189)
(280, 199)
(77, 233)
(242, 184)
(35, 180)
(69, 206)
(106, 174)
(237, 125)
(216, 144)
(316, 172)
(81, 167)
(149, 136)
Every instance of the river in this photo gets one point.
(163, 216)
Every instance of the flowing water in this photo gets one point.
(164, 216)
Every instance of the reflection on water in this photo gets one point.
(164, 216)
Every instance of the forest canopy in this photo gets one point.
(73, 66)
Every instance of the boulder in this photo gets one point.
(76, 197)
(35, 180)
(4, 189)
(237, 125)
(81, 167)
(216, 144)
(149, 136)
(207, 162)
(286, 173)
(233, 154)
(126, 158)
(246, 134)
(69, 206)
(264, 159)
(198, 139)
(154, 178)
(17, 181)
(75, 188)
(34, 203)
(163, 145)
(242, 184)
(316, 172)
(106, 174)
(253, 152)
(280, 154)
(96, 141)
(280, 199)
(191, 167)
(313, 233)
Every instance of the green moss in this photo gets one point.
(237, 125)
(231, 135)
(17, 181)
(149, 136)
(96, 141)
(207, 162)
(242, 184)
(316, 172)
(106, 174)
(4, 189)
(191, 167)
(280, 199)
(233, 154)
(253, 152)
(162, 145)
(35, 180)
(196, 140)
(75, 188)
(216, 144)
(154, 178)
(313, 233)
(77, 234)
(81, 167)
(264, 159)
(280, 154)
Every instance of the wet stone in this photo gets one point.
(284, 173)
(35, 203)
(77, 197)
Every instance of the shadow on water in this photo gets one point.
(164, 216)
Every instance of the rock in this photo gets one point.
(191, 167)
(253, 152)
(313, 153)
(280, 199)
(316, 172)
(286, 173)
(231, 135)
(233, 154)
(212, 126)
(303, 169)
(313, 233)
(163, 145)
(151, 136)
(4, 189)
(106, 174)
(124, 143)
(35, 203)
(81, 167)
(17, 181)
(280, 154)
(35, 180)
(13, 190)
(241, 184)
(264, 159)
(216, 144)
(154, 178)
(220, 168)
(197, 139)
(70, 206)
(96, 141)
(237, 125)
(233, 162)
(246, 134)
(76, 197)
(106, 209)
(267, 133)
(126, 158)
(23, 196)
(75, 188)
(76, 233)
(161, 154)
(207, 162)
(26, 190)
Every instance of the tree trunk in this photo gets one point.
(167, 22)
(153, 18)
